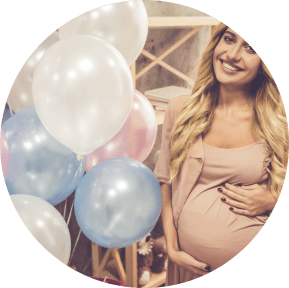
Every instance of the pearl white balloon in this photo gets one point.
(20, 96)
(45, 223)
(83, 92)
(124, 25)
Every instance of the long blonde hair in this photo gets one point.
(268, 119)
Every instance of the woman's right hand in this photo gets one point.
(189, 263)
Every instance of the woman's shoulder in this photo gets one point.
(176, 105)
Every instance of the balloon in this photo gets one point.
(39, 165)
(20, 97)
(4, 154)
(45, 223)
(135, 139)
(124, 25)
(117, 202)
(83, 92)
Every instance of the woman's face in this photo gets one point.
(235, 62)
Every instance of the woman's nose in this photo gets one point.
(234, 54)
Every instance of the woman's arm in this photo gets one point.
(167, 219)
(181, 258)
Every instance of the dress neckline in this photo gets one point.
(243, 147)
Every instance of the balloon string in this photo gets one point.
(87, 264)
(65, 208)
(70, 214)
(78, 170)
(78, 236)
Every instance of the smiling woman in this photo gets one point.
(229, 136)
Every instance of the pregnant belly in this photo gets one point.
(210, 232)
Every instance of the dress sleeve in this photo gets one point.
(162, 169)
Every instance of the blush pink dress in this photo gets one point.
(207, 229)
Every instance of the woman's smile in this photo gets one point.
(229, 66)
(235, 62)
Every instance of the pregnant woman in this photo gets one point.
(223, 158)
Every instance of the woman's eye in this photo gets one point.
(229, 39)
(250, 49)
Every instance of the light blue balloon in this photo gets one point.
(117, 202)
(39, 165)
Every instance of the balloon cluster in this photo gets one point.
(76, 110)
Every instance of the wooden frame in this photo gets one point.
(158, 60)
(181, 21)
(175, 22)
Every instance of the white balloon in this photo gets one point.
(83, 92)
(124, 25)
(20, 96)
(45, 223)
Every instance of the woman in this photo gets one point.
(223, 157)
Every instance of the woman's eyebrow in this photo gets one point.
(246, 43)
(231, 33)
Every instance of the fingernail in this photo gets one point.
(239, 184)
(231, 208)
(220, 189)
(208, 268)
(223, 184)
(223, 199)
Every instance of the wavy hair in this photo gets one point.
(268, 119)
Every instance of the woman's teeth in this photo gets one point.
(229, 66)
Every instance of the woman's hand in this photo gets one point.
(189, 263)
(249, 200)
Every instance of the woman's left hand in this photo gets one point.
(252, 200)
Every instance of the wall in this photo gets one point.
(184, 58)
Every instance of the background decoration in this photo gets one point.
(20, 96)
(45, 223)
(117, 202)
(83, 92)
(124, 25)
(135, 139)
(4, 154)
(39, 165)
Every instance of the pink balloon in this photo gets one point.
(4, 154)
(135, 139)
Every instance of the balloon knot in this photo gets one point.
(79, 157)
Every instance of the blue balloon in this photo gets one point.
(117, 202)
(39, 165)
